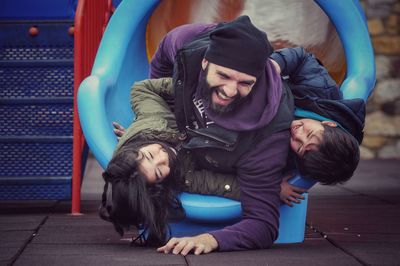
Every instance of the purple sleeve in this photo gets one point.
(260, 175)
(162, 63)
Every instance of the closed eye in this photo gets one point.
(298, 149)
(246, 83)
(147, 156)
(223, 75)
(158, 175)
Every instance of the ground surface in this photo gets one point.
(354, 224)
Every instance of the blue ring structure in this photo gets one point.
(121, 60)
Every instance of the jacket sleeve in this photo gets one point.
(162, 63)
(259, 174)
(208, 182)
(307, 76)
(147, 97)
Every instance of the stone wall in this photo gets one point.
(382, 126)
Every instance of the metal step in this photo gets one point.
(38, 81)
(36, 111)
(37, 188)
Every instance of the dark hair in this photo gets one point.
(336, 159)
(136, 202)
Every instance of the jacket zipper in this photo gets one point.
(209, 137)
(181, 63)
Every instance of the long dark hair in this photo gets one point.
(136, 202)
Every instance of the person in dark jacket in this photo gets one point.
(234, 112)
(327, 130)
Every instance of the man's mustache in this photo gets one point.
(221, 91)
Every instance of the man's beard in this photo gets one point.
(207, 91)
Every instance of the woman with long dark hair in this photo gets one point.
(148, 170)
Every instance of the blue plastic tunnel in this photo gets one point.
(334, 30)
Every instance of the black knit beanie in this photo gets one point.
(239, 45)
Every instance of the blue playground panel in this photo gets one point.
(123, 49)
(36, 110)
(38, 9)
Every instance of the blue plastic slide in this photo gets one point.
(121, 60)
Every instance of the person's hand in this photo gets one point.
(290, 193)
(204, 243)
(119, 130)
(276, 66)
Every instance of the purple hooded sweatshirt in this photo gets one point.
(259, 171)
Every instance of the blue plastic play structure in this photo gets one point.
(36, 99)
(121, 60)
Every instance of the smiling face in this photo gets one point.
(154, 162)
(226, 87)
(307, 134)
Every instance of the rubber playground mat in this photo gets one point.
(353, 224)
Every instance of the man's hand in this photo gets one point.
(118, 130)
(276, 66)
(290, 193)
(204, 243)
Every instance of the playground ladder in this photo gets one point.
(36, 109)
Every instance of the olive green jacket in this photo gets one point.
(153, 113)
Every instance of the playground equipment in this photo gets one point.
(36, 95)
(90, 21)
(334, 30)
(41, 143)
